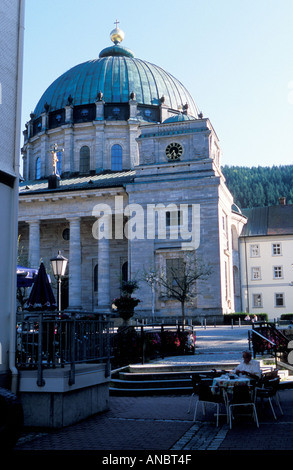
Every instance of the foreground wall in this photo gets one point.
(11, 46)
(57, 404)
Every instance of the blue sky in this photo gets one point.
(235, 58)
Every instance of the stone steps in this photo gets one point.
(158, 379)
(154, 379)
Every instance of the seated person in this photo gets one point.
(248, 367)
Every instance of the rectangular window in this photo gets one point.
(38, 168)
(278, 272)
(174, 271)
(279, 300)
(254, 250)
(257, 300)
(174, 218)
(84, 159)
(225, 223)
(255, 274)
(276, 247)
(116, 158)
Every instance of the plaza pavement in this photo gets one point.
(163, 424)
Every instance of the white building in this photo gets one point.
(129, 139)
(266, 259)
(11, 46)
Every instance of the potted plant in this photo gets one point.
(125, 304)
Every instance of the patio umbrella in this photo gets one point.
(41, 296)
(25, 276)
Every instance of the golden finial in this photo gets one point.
(117, 35)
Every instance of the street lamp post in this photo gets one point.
(59, 264)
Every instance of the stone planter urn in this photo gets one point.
(125, 304)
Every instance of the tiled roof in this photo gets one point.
(104, 180)
(271, 220)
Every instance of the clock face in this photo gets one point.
(174, 151)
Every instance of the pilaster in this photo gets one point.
(68, 162)
(34, 244)
(74, 264)
(104, 264)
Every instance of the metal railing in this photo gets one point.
(266, 338)
(50, 340)
(152, 340)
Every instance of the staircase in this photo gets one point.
(221, 352)
(138, 380)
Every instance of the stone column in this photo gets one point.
(100, 110)
(99, 162)
(68, 163)
(46, 162)
(163, 110)
(133, 109)
(68, 114)
(74, 265)
(34, 244)
(44, 117)
(104, 264)
(28, 159)
(133, 146)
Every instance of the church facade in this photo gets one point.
(137, 186)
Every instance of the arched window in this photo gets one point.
(234, 238)
(38, 168)
(59, 163)
(84, 159)
(116, 158)
(236, 281)
(124, 271)
(96, 274)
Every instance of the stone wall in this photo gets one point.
(58, 404)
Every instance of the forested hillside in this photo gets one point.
(259, 186)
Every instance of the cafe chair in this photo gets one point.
(269, 390)
(196, 379)
(242, 398)
(206, 397)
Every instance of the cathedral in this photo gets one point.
(122, 174)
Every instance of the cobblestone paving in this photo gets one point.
(202, 436)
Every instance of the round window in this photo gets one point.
(66, 234)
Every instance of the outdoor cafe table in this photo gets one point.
(227, 383)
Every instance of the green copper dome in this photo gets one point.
(118, 75)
